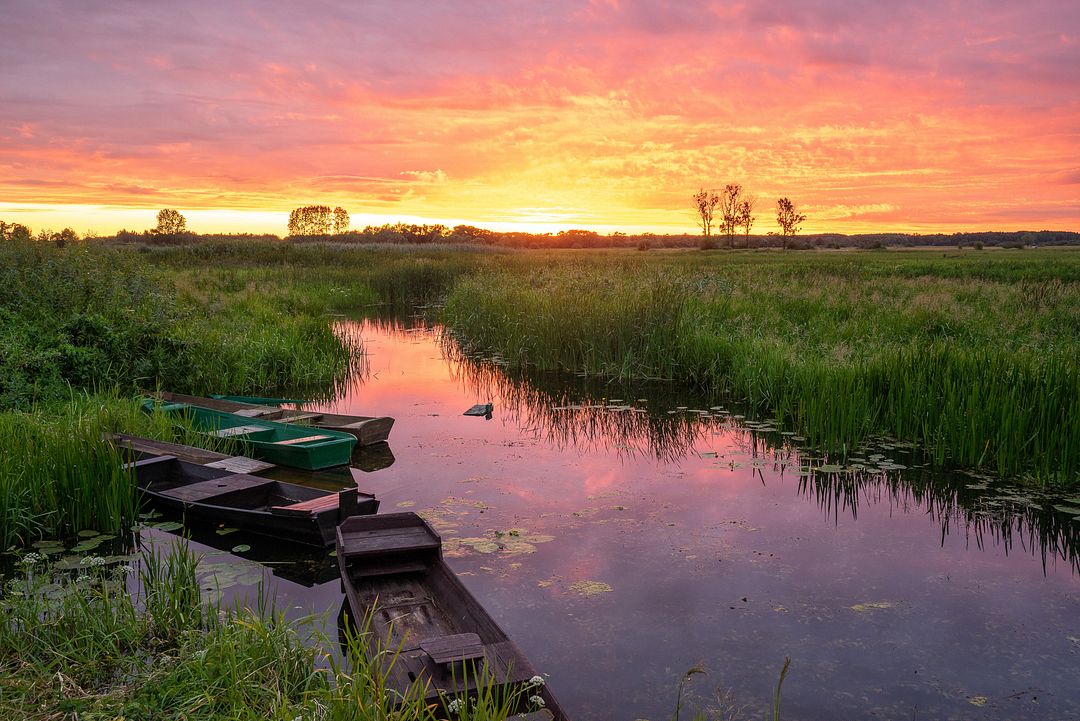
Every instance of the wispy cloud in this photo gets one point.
(874, 115)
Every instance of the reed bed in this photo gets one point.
(59, 477)
(80, 644)
(976, 364)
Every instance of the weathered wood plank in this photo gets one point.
(236, 431)
(241, 464)
(455, 647)
(204, 490)
(323, 503)
(372, 543)
(305, 439)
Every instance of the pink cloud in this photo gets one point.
(847, 106)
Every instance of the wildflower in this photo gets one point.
(536, 681)
(454, 706)
(32, 558)
(81, 579)
(537, 701)
(93, 561)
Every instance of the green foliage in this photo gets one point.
(972, 359)
(79, 316)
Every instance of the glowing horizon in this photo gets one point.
(603, 115)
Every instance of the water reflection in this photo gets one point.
(621, 539)
(665, 422)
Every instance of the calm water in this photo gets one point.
(621, 540)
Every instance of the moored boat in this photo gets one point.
(392, 569)
(261, 505)
(367, 430)
(285, 444)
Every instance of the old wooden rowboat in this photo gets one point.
(261, 505)
(285, 444)
(367, 430)
(392, 568)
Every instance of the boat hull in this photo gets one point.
(367, 430)
(283, 510)
(284, 444)
(393, 574)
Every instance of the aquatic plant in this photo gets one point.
(974, 361)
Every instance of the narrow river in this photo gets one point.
(622, 535)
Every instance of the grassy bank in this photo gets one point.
(970, 356)
(84, 647)
(96, 318)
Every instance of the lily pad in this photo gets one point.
(226, 531)
(872, 606)
(87, 533)
(242, 548)
(168, 526)
(590, 588)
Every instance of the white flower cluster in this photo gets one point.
(536, 681)
(537, 701)
(93, 562)
(454, 706)
(31, 559)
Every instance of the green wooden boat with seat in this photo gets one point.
(285, 444)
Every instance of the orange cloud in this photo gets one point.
(553, 115)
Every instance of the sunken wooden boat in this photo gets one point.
(261, 505)
(367, 430)
(392, 568)
(285, 444)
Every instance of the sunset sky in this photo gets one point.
(871, 116)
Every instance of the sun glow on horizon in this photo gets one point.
(604, 116)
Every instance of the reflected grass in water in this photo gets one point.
(978, 373)
(574, 412)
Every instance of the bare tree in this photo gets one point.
(170, 222)
(730, 200)
(341, 221)
(746, 215)
(788, 220)
(705, 202)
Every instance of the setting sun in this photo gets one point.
(604, 115)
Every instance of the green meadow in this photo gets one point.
(968, 356)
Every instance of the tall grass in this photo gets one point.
(59, 477)
(82, 646)
(979, 368)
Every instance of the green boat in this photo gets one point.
(255, 400)
(285, 444)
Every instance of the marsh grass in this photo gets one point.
(82, 644)
(974, 361)
(59, 477)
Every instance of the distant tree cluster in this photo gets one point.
(313, 220)
(22, 233)
(732, 205)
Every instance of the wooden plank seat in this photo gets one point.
(204, 491)
(237, 431)
(240, 464)
(305, 439)
(358, 544)
(455, 647)
(293, 416)
(262, 412)
(322, 503)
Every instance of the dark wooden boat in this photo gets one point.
(262, 505)
(392, 568)
(365, 429)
